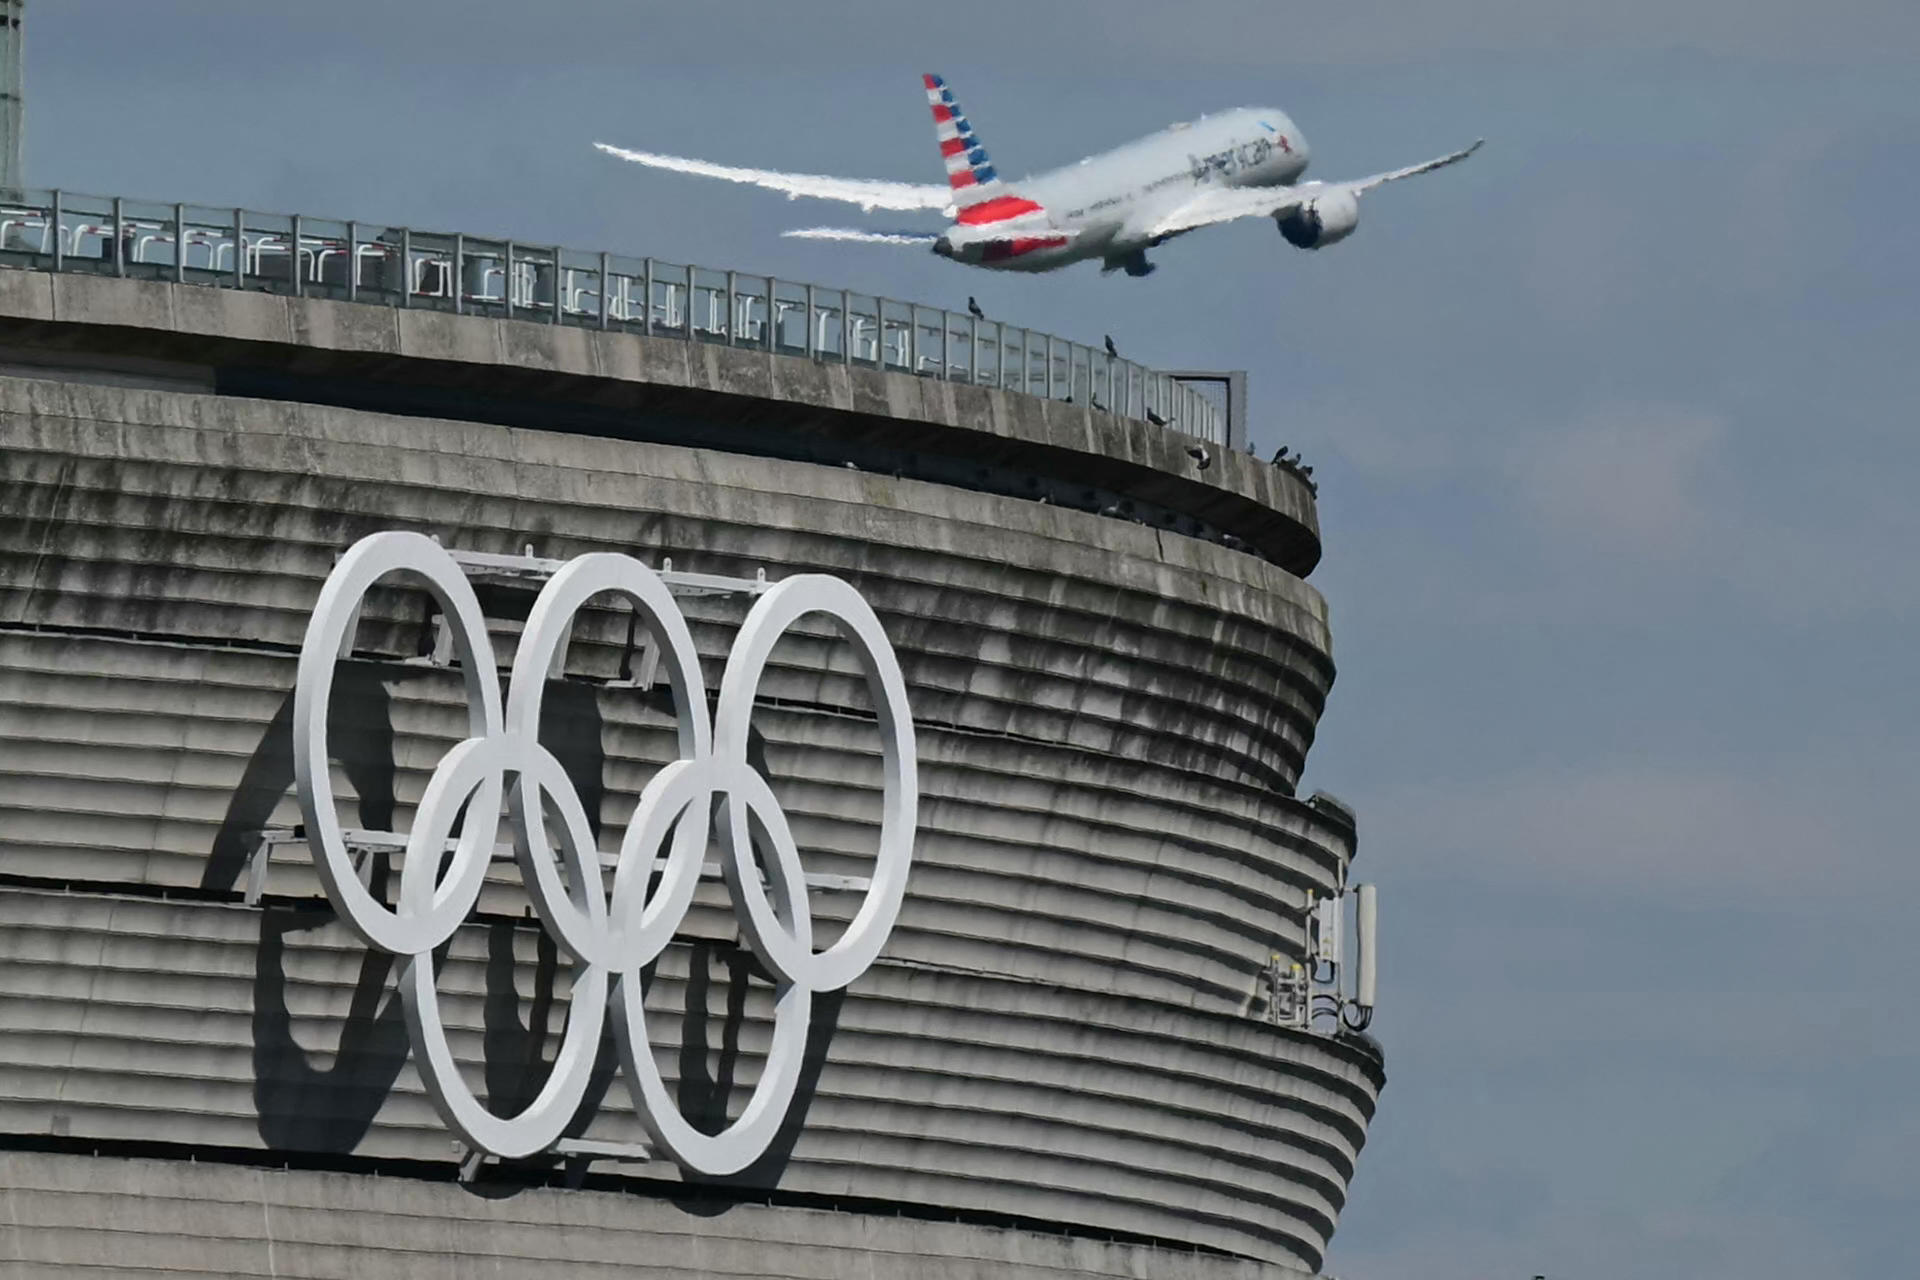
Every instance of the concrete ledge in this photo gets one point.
(66, 1214)
(1269, 508)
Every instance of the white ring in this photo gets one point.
(366, 562)
(468, 769)
(769, 619)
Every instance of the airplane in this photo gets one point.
(1114, 206)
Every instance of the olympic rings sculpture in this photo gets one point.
(609, 937)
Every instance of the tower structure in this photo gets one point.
(13, 101)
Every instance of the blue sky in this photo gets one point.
(1617, 447)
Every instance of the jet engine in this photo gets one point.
(1327, 218)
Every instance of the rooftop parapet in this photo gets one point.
(304, 256)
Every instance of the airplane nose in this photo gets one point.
(943, 247)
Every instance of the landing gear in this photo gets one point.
(1134, 264)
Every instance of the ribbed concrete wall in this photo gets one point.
(122, 1219)
(1063, 1026)
(195, 1023)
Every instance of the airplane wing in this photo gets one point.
(1227, 203)
(868, 193)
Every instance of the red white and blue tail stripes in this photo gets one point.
(969, 172)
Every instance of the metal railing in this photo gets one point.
(49, 230)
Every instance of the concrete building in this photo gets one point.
(1062, 1064)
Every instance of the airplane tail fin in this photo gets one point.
(969, 172)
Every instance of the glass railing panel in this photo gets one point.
(922, 352)
(790, 320)
(863, 319)
(211, 246)
(890, 342)
(1110, 385)
(960, 355)
(530, 281)
(578, 282)
(707, 304)
(626, 299)
(750, 319)
(429, 270)
(86, 231)
(896, 334)
(929, 342)
(480, 267)
(267, 252)
(940, 355)
(984, 340)
(625, 287)
(325, 255)
(150, 239)
(1100, 378)
(27, 230)
(375, 263)
(1059, 369)
(1033, 364)
(1013, 358)
(669, 297)
(829, 324)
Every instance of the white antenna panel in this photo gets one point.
(1327, 931)
(1366, 930)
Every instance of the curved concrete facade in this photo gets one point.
(1064, 1033)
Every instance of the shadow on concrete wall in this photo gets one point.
(330, 1108)
(704, 1094)
(303, 1107)
(360, 729)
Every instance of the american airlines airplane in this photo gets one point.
(1114, 206)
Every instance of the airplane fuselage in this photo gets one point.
(1109, 208)
(1105, 203)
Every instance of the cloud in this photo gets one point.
(1676, 1245)
(1812, 1202)
(1624, 479)
(1639, 830)
(1643, 499)
(1642, 515)
(1079, 35)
